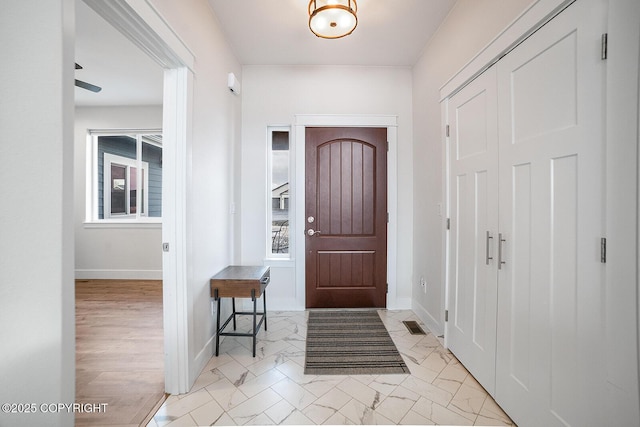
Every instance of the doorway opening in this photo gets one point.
(141, 24)
(118, 260)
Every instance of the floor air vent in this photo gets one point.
(413, 327)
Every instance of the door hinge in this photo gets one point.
(448, 223)
(446, 315)
(447, 130)
(604, 47)
(387, 217)
(165, 247)
(387, 288)
(387, 145)
(603, 250)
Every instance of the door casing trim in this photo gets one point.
(302, 121)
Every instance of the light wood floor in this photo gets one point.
(119, 350)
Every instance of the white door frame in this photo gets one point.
(144, 26)
(328, 120)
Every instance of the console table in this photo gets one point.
(241, 282)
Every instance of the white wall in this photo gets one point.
(214, 116)
(273, 95)
(622, 294)
(37, 334)
(468, 28)
(111, 251)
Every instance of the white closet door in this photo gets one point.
(550, 306)
(472, 116)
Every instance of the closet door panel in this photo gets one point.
(520, 243)
(471, 330)
(544, 97)
(563, 286)
(550, 97)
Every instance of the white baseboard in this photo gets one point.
(428, 320)
(201, 360)
(399, 304)
(290, 304)
(279, 304)
(119, 274)
(207, 352)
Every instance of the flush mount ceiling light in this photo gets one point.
(332, 19)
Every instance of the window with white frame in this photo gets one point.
(125, 176)
(278, 192)
(124, 193)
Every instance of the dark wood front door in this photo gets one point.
(346, 217)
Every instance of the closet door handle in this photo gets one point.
(500, 241)
(488, 258)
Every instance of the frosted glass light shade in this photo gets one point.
(332, 19)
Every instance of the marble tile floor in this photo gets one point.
(270, 389)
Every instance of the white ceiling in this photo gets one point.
(389, 32)
(126, 74)
(264, 32)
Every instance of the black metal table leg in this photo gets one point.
(217, 323)
(233, 310)
(264, 303)
(253, 298)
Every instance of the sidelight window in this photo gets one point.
(278, 192)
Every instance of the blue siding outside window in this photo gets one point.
(153, 155)
(125, 146)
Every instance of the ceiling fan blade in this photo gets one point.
(88, 86)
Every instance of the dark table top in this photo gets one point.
(238, 281)
(241, 272)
